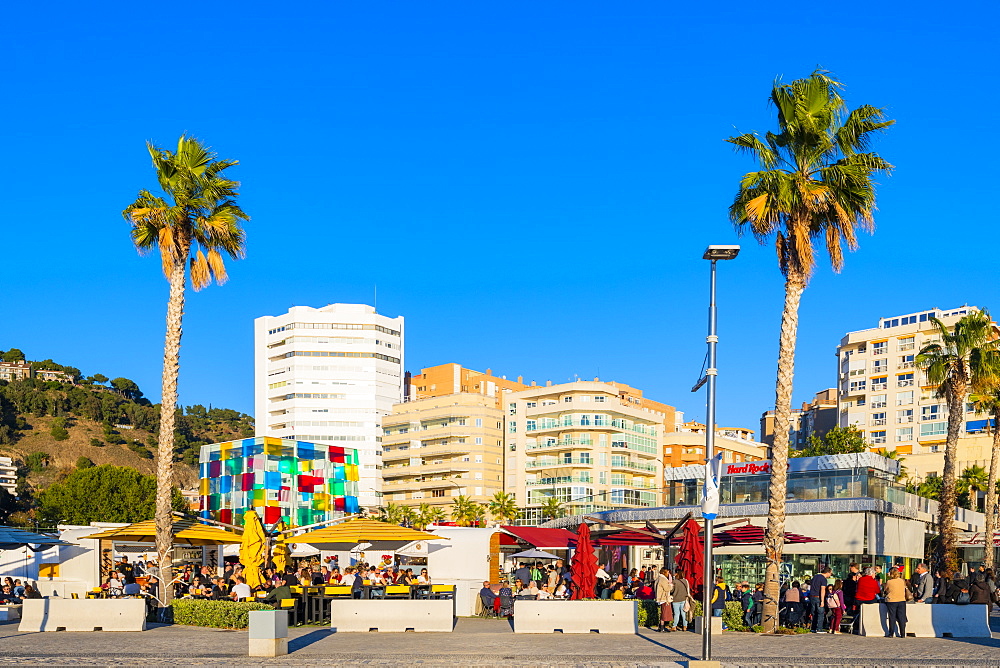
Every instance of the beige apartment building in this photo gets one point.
(882, 391)
(685, 445)
(593, 445)
(814, 418)
(447, 439)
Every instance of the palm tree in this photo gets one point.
(973, 480)
(464, 510)
(553, 508)
(503, 507)
(816, 182)
(963, 361)
(426, 514)
(989, 402)
(894, 454)
(392, 513)
(192, 222)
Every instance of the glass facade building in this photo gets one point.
(289, 481)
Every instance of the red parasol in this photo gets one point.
(749, 534)
(583, 567)
(690, 555)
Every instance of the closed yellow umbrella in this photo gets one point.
(253, 548)
(280, 552)
(185, 531)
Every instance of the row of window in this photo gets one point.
(324, 353)
(599, 398)
(334, 325)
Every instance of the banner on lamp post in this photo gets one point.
(710, 495)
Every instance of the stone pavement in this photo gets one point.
(478, 642)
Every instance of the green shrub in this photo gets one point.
(732, 616)
(216, 614)
(97, 443)
(649, 613)
(84, 463)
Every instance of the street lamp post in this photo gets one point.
(713, 254)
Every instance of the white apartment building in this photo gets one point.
(883, 392)
(330, 375)
(8, 474)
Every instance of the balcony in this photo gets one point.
(880, 351)
(631, 464)
(906, 346)
(879, 422)
(560, 480)
(621, 425)
(904, 383)
(879, 386)
(904, 420)
(877, 404)
(556, 463)
(878, 440)
(562, 445)
(906, 365)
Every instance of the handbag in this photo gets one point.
(687, 605)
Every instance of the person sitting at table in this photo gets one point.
(506, 598)
(241, 590)
(114, 585)
(531, 590)
(561, 591)
(7, 595)
(359, 582)
(325, 573)
(217, 591)
(423, 578)
(335, 576)
(487, 595)
(31, 592)
(276, 595)
(348, 578)
(544, 593)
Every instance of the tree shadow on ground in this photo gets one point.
(310, 638)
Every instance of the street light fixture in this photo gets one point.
(713, 254)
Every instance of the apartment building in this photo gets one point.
(592, 445)
(685, 445)
(15, 370)
(329, 375)
(447, 379)
(813, 418)
(8, 474)
(885, 394)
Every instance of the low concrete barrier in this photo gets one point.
(392, 615)
(575, 616)
(268, 633)
(931, 620)
(67, 614)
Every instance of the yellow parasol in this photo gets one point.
(280, 551)
(186, 532)
(382, 535)
(252, 549)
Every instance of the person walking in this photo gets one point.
(818, 588)
(836, 604)
(664, 598)
(680, 594)
(895, 604)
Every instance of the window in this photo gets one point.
(878, 419)
(461, 422)
(906, 361)
(879, 347)
(479, 422)
(530, 425)
(880, 366)
(879, 383)
(479, 459)
(904, 434)
(904, 416)
(466, 459)
(928, 413)
(568, 399)
(878, 437)
(479, 440)
(532, 404)
(584, 398)
(857, 386)
(599, 399)
(907, 343)
(933, 429)
(878, 401)
(437, 493)
(512, 427)
(512, 409)
(904, 380)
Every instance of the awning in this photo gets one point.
(12, 538)
(186, 531)
(543, 538)
(344, 536)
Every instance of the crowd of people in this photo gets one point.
(14, 592)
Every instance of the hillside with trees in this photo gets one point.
(52, 428)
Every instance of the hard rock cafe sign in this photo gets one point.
(748, 468)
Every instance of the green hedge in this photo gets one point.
(649, 613)
(217, 614)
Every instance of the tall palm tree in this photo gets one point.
(502, 507)
(963, 361)
(392, 513)
(989, 402)
(192, 221)
(815, 183)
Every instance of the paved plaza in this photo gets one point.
(478, 642)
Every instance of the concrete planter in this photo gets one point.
(67, 614)
(576, 617)
(392, 615)
(931, 620)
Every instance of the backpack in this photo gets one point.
(963, 597)
(832, 600)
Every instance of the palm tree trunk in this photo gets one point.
(946, 504)
(774, 538)
(168, 407)
(991, 495)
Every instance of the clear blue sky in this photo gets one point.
(531, 184)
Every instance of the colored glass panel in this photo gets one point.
(246, 482)
(272, 514)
